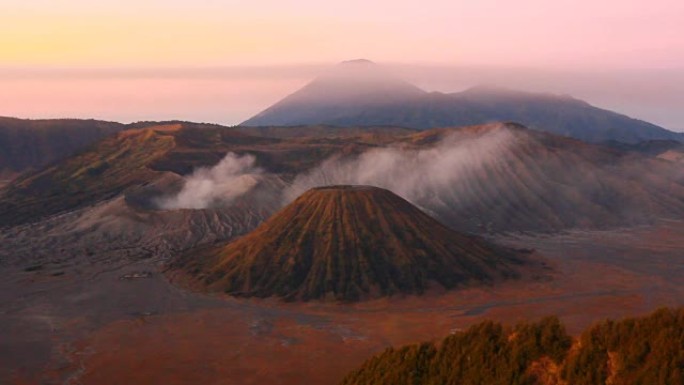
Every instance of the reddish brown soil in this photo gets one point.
(598, 275)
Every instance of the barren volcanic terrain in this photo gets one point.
(84, 242)
(93, 326)
(485, 205)
(347, 243)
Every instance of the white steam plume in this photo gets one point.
(219, 185)
(427, 177)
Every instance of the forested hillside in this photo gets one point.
(647, 350)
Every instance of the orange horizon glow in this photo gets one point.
(224, 60)
(629, 33)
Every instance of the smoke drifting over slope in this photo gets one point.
(425, 177)
(232, 177)
(492, 178)
(502, 177)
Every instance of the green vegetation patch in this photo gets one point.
(648, 350)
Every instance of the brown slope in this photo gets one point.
(102, 172)
(121, 163)
(347, 243)
(546, 182)
(504, 177)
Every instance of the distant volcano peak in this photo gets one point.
(361, 93)
(358, 62)
(350, 86)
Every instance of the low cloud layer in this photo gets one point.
(219, 185)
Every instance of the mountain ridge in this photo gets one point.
(34, 143)
(605, 187)
(359, 101)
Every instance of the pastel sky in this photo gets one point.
(606, 33)
(158, 59)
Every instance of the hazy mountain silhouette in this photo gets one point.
(349, 89)
(361, 93)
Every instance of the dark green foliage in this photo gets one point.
(644, 351)
(487, 353)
